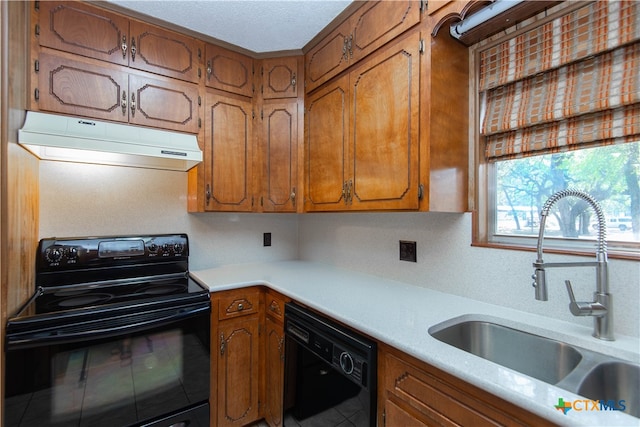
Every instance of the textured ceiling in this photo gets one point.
(256, 25)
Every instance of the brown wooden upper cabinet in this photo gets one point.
(370, 27)
(228, 152)
(280, 77)
(229, 71)
(82, 29)
(278, 157)
(80, 86)
(361, 136)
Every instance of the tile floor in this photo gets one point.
(350, 413)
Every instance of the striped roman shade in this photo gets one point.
(567, 83)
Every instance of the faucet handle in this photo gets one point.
(580, 308)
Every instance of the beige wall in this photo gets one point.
(447, 262)
(89, 200)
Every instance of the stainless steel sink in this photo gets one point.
(542, 358)
(594, 375)
(616, 383)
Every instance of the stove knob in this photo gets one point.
(346, 363)
(72, 253)
(153, 248)
(53, 255)
(165, 248)
(178, 248)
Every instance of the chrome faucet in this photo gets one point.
(601, 307)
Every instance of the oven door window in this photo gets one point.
(111, 381)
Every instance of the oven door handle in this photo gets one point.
(93, 331)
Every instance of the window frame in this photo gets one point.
(483, 185)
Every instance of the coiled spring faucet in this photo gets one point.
(601, 307)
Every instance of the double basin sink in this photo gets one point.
(584, 372)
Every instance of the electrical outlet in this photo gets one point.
(266, 239)
(408, 251)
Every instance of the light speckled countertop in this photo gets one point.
(401, 314)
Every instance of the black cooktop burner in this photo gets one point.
(82, 300)
(91, 295)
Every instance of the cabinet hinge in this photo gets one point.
(420, 191)
(37, 29)
(261, 200)
(36, 5)
(261, 114)
(36, 94)
(199, 53)
(199, 123)
(199, 101)
(384, 418)
(262, 71)
(423, 5)
(421, 46)
(36, 66)
(199, 72)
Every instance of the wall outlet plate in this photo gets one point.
(408, 251)
(266, 239)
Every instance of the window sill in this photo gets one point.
(612, 253)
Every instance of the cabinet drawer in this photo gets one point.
(429, 395)
(274, 305)
(238, 303)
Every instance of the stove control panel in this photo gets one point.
(74, 253)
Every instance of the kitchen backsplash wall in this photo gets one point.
(78, 200)
(447, 262)
(81, 200)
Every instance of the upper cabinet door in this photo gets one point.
(328, 57)
(374, 24)
(164, 52)
(377, 23)
(280, 156)
(385, 90)
(149, 98)
(82, 87)
(228, 153)
(326, 145)
(280, 77)
(228, 71)
(84, 30)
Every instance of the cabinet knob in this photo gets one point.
(123, 103)
(124, 46)
(133, 104)
(345, 55)
(240, 306)
(133, 49)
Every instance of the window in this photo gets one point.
(558, 106)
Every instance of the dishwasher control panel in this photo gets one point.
(351, 354)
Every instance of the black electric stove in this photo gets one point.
(105, 309)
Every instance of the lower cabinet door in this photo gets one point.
(274, 373)
(238, 378)
(396, 416)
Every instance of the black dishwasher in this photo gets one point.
(330, 372)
